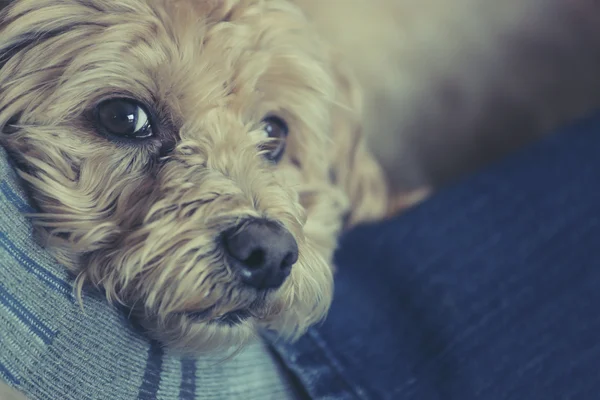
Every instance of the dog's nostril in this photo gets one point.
(288, 261)
(256, 259)
(261, 252)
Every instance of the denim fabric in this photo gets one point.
(489, 290)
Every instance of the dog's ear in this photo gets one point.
(5, 51)
(9, 48)
(353, 167)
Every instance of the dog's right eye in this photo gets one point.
(123, 118)
(276, 131)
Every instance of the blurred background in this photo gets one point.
(463, 82)
(484, 77)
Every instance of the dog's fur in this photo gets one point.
(143, 221)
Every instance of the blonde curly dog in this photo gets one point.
(194, 159)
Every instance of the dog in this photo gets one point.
(196, 160)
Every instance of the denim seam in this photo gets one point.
(335, 365)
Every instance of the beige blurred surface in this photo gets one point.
(451, 85)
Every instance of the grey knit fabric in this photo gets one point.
(50, 349)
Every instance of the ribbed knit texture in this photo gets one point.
(51, 350)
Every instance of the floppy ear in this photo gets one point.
(11, 46)
(7, 50)
(353, 167)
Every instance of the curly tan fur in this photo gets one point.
(144, 221)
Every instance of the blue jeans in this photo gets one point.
(489, 290)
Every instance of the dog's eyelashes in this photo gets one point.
(123, 118)
(275, 131)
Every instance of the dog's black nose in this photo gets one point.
(261, 252)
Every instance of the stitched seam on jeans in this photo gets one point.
(335, 365)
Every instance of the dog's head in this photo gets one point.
(195, 159)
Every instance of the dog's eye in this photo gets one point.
(123, 118)
(275, 130)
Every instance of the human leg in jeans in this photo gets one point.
(489, 290)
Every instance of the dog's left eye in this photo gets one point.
(123, 118)
(275, 131)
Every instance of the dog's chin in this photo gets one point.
(197, 332)
(192, 334)
(206, 330)
(231, 318)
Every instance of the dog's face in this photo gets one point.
(195, 159)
